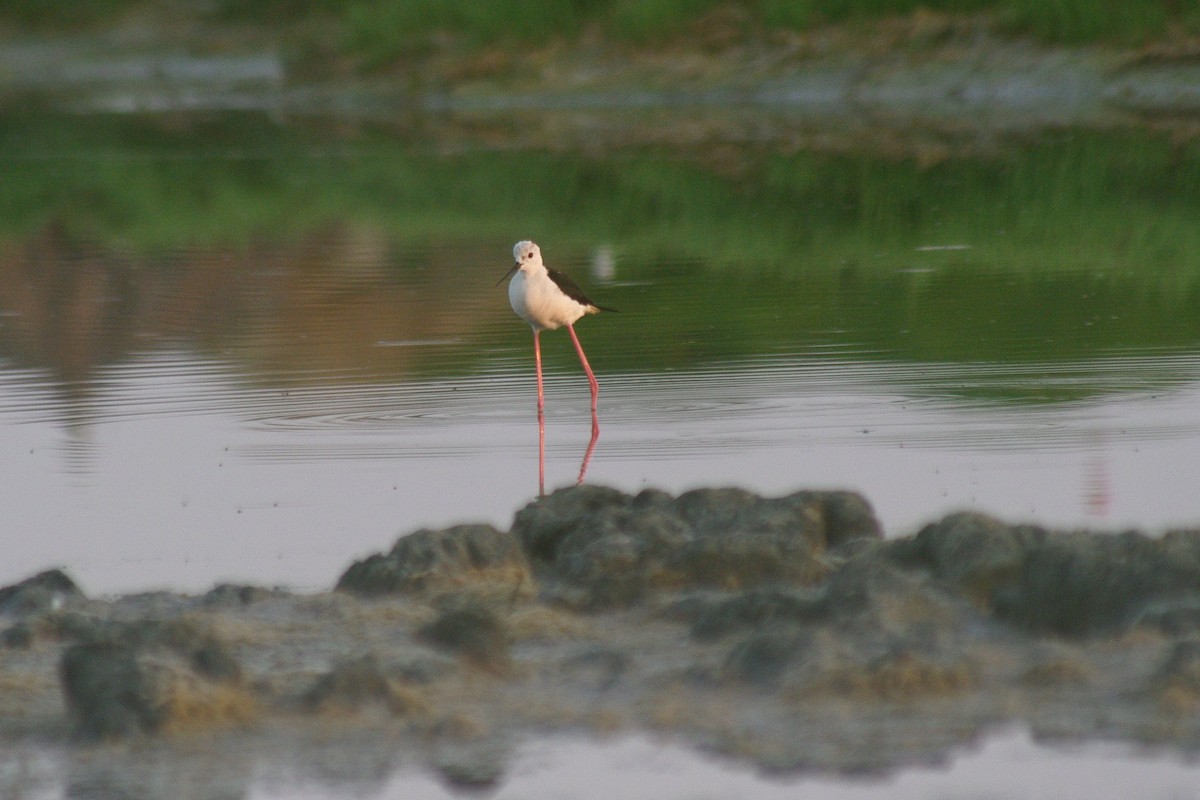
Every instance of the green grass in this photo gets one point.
(379, 31)
(68, 15)
(636, 21)
(1083, 21)
(382, 30)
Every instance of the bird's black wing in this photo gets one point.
(571, 289)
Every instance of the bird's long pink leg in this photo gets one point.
(591, 378)
(587, 457)
(541, 412)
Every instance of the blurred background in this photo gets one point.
(944, 253)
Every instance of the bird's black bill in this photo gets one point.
(515, 267)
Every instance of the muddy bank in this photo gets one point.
(781, 632)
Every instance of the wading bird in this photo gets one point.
(548, 299)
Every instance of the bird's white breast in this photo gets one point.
(540, 302)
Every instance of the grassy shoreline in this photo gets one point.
(374, 35)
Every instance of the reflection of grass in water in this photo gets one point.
(1126, 203)
(949, 315)
(380, 31)
(386, 28)
(1092, 231)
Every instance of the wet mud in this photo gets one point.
(787, 633)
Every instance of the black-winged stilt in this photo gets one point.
(548, 299)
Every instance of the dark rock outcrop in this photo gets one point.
(144, 677)
(761, 659)
(46, 591)
(476, 559)
(608, 548)
(1082, 583)
(754, 609)
(357, 683)
(973, 553)
(472, 632)
(108, 692)
(1068, 583)
(770, 620)
(1177, 679)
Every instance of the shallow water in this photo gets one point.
(641, 768)
(174, 472)
(633, 767)
(236, 359)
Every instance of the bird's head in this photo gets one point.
(526, 255)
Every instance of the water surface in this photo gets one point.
(637, 767)
(632, 766)
(236, 347)
(238, 350)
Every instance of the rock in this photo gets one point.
(974, 553)
(1177, 680)
(871, 596)
(205, 652)
(17, 637)
(74, 625)
(355, 683)
(1069, 583)
(902, 674)
(471, 631)
(597, 667)
(1081, 584)
(755, 609)
(542, 525)
(211, 658)
(1172, 617)
(762, 658)
(1056, 673)
(107, 692)
(477, 559)
(46, 591)
(143, 678)
(615, 548)
(232, 595)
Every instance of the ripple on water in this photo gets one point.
(972, 405)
